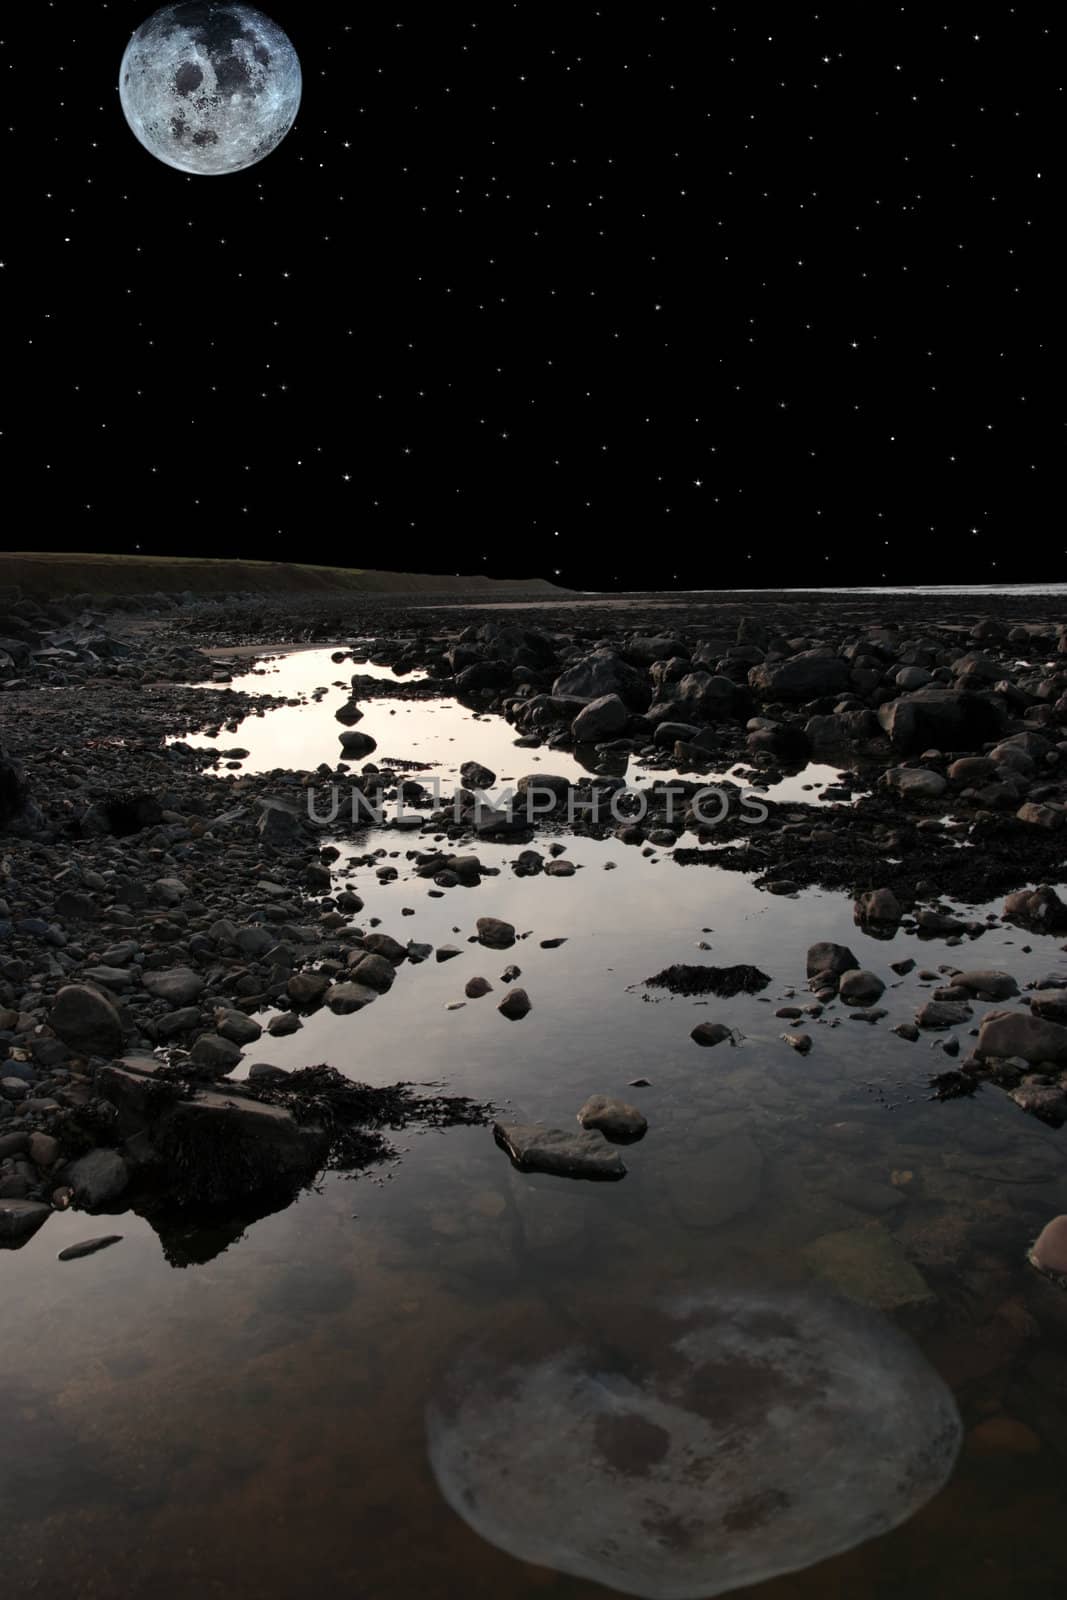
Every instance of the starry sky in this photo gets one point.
(629, 296)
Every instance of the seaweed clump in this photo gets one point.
(722, 981)
(354, 1114)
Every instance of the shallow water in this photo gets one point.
(439, 733)
(254, 1425)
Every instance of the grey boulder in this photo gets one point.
(570, 1155)
(86, 1021)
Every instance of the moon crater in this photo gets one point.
(210, 88)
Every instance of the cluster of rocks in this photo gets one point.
(605, 1123)
(696, 698)
(1022, 1050)
(148, 913)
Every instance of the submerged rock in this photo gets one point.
(693, 1447)
(868, 1265)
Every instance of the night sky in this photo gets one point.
(633, 296)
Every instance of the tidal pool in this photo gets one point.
(439, 734)
(253, 1423)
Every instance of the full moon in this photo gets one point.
(210, 88)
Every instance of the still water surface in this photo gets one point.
(254, 1425)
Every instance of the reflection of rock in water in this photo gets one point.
(190, 1238)
(211, 1161)
(712, 1443)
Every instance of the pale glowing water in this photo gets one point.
(439, 733)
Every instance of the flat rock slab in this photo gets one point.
(569, 1155)
(939, 1014)
(868, 1265)
(21, 1218)
(178, 986)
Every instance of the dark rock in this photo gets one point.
(942, 1014)
(711, 1033)
(355, 745)
(604, 673)
(345, 998)
(383, 944)
(89, 1247)
(807, 676)
(373, 971)
(1013, 1033)
(600, 719)
(19, 1219)
(97, 1179)
(515, 1005)
(1039, 909)
(178, 986)
(475, 776)
(616, 1119)
(986, 984)
(307, 988)
(940, 719)
(878, 905)
(826, 962)
(237, 1027)
(86, 1021)
(213, 1056)
(858, 987)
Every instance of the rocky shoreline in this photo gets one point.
(150, 908)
